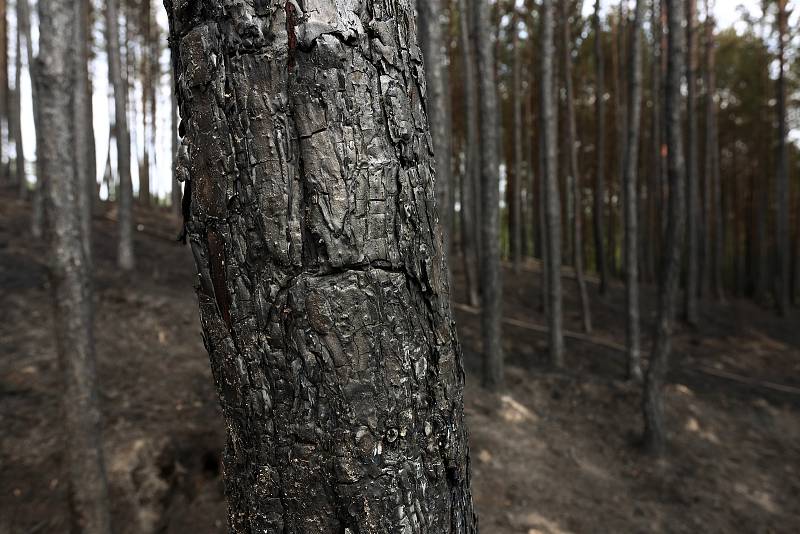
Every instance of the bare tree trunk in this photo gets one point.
(656, 178)
(19, 155)
(692, 186)
(176, 193)
(491, 283)
(81, 109)
(329, 327)
(515, 220)
(630, 182)
(715, 236)
(574, 169)
(470, 188)
(57, 76)
(551, 200)
(4, 87)
(782, 193)
(432, 40)
(652, 406)
(601, 258)
(125, 257)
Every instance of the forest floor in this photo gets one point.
(555, 453)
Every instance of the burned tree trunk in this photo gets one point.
(782, 193)
(551, 200)
(323, 290)
(692, 186)
(125, 257)
(83, 459)
(652, 406)
(630, 183)
(516, 222)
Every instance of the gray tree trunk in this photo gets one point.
(84, 136)
(652, 405)
(323, 290)
(656, 179)
(19, 154)
(574, 170)
(470, 193)
(552, 202)
(491, 283)
(782, 192)
(692, 185)
(83, 460)
(598, 213)
(125, 257)
(515, 219)
(432, 39)
(4, 86)
(630, 182)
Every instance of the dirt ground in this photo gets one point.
(555, 453)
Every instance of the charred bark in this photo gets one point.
(692, 185)
(323, 290)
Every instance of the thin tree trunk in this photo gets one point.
(176, 193)
(630, 181)
(329, 327)
(515, 220)
(83, 459)
(552, 202)
(470, 187)
(19, 158)
(692, 186)
(782, 192)
(652, 406)
(574, 170)
(656, 178)
(598, 213)
(432, 40)
(491, 283)
(81, 109)
(4, 86)
(125, 257)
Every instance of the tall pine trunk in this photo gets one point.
(551, 199)
(653, 403)
(491, 283)
(782, 193)
(598, 212)
(432, 40)
(323, 289)
(574, 170)
(57, 74)
(692, 185)
(630, 196)
(125, 257)
(515, 218)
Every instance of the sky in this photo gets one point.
(726, 11)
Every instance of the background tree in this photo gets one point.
(782, 193)
(692, 186)
(316, 382)
(653, 409)
(601, 258)
(57, 73)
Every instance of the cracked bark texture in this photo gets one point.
(69, 269)
(652, 402)
(630, 183)
(323, 290)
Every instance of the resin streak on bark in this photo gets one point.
(323, 290)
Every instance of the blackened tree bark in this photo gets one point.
(491, 283)
(175, 193)
(323, 289)
(652, 405)
(598, 212)
(69, 269)
(574, 170)
(630, 183)
(692, 185)
(125, 257)
(470, 187)
(782, 193)
(552, 202)
(432, 39)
